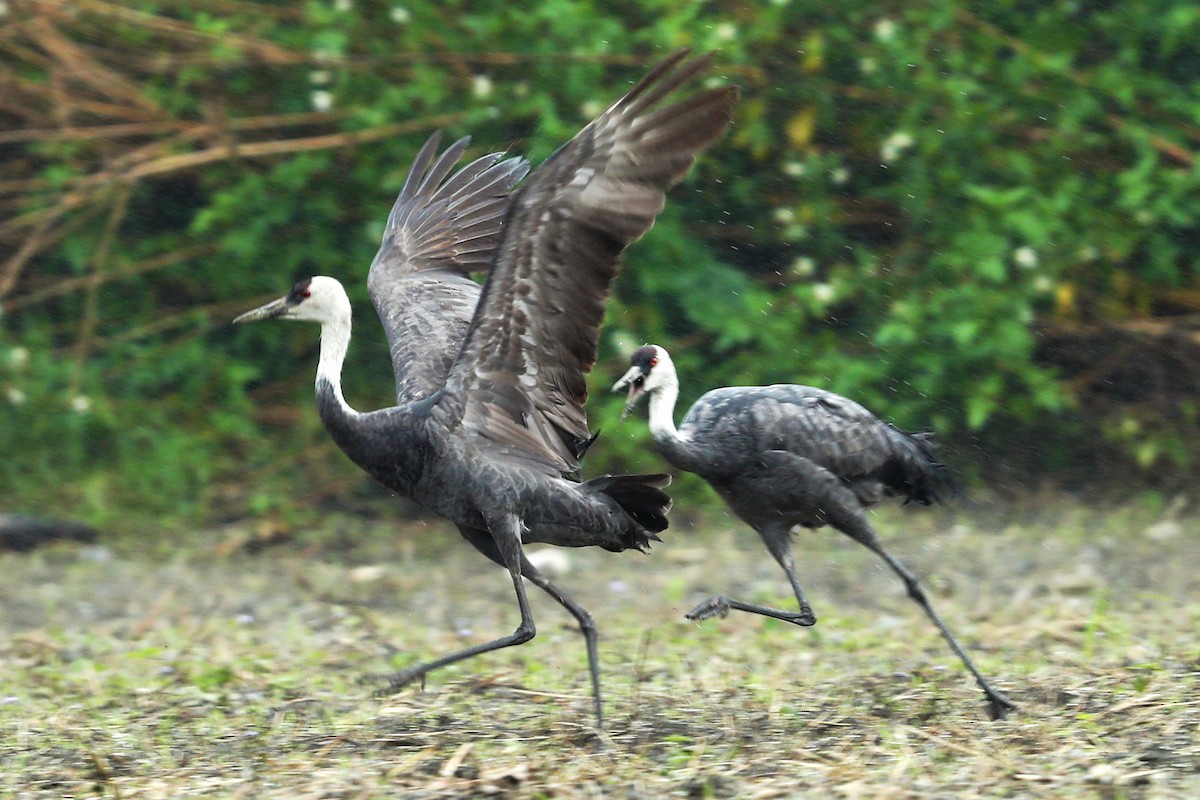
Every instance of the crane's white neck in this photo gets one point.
(662, 403)
(335, 341)
(663, 387)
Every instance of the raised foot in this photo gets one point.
(805, 619)
(720, 606)
(389, 683)
(707, 609)
(998, 705)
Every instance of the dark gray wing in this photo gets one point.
(440, 230)
(519, 382)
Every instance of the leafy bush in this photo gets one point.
(975, 220)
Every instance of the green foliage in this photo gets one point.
(911, 199)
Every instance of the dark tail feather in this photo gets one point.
(641, 497)
(915, 470)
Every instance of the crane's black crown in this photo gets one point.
(644, 358)
(299, 292)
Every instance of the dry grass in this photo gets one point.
(189, 671)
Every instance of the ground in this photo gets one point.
(190, 665)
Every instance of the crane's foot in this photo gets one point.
(998, 705)
(388, 684)
(805, 619)
(712, 607)
(720, 606)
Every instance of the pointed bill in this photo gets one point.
(275, 308)
(632, 381)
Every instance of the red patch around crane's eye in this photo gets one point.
(654, 362)
(308, 293)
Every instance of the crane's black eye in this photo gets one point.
(308, 292)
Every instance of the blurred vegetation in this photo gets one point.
(977, 220)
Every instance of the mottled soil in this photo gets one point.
(190, 665)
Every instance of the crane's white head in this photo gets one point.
(650, 369)
(317, 299)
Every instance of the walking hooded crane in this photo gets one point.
(788, 455)
(488, 427)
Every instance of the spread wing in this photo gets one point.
(440, 230)
(519, 382)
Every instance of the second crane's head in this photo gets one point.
(317, 299)
(650, 369)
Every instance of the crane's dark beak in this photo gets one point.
(275, 308)
(633, 381)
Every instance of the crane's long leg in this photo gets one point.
(587, 626)
(506, 543)
(778, 541)
(854, 523)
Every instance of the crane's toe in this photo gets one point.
(805, 619)
(999, 706)
(392, 682)
(712, 607)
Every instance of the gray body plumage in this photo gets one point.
(766, 449)
(409, 451)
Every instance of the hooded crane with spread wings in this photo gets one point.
(488, 427)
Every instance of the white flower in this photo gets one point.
(867, 65)
(784, 215)
(804, 267)
(3, 9)
(320, 77)
(901, 140)
(823, 293)
(591, 109)
(1088, 253)
(894, 145)
(725, 32)
(343, 5)
(839, 176)
(400, 15)
(885, 29)
(81, 404)
(481, 86)
(14, 396)
(18, 357)
(795, 169)
(322, 100)
(1025, 257)
(780, 3)
(1042, 284)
